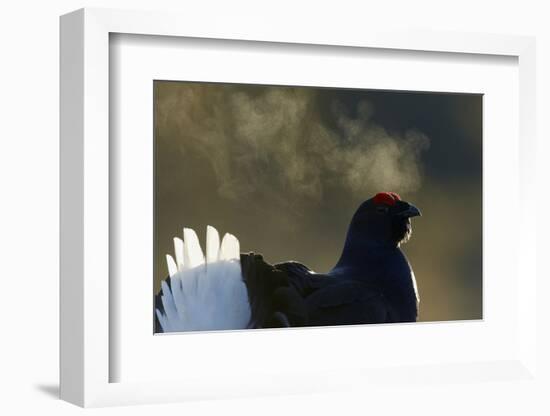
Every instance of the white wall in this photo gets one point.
(29, 198)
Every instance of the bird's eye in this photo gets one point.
(382, 209)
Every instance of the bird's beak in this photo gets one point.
(409, 211)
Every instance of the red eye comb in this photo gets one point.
(386, 198)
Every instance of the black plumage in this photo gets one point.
(372, 282)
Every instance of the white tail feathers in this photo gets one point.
(192, 252)
(230, 248)
(204, 294)
(179, 248)
(172, 267)
(212, 244)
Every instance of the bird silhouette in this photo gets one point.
(372, 282)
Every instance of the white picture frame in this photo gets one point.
(86, 356)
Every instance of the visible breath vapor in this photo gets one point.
(284, 169)
(275, 143)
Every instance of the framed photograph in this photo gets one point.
(275, 212)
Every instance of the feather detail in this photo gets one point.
(192, 254)
(178, 251)
(212, 244)
(168, 303)
(172, 268)
(230, 249)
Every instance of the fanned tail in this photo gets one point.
(203, 293)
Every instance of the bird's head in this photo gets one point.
(384, 219)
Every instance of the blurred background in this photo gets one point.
(285, 168)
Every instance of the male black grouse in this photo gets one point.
(372, 282)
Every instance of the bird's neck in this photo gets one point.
(358, 248)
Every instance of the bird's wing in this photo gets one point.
(264, 282)
(304, 280)
(346, 303)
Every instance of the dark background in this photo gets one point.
(284, 168)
